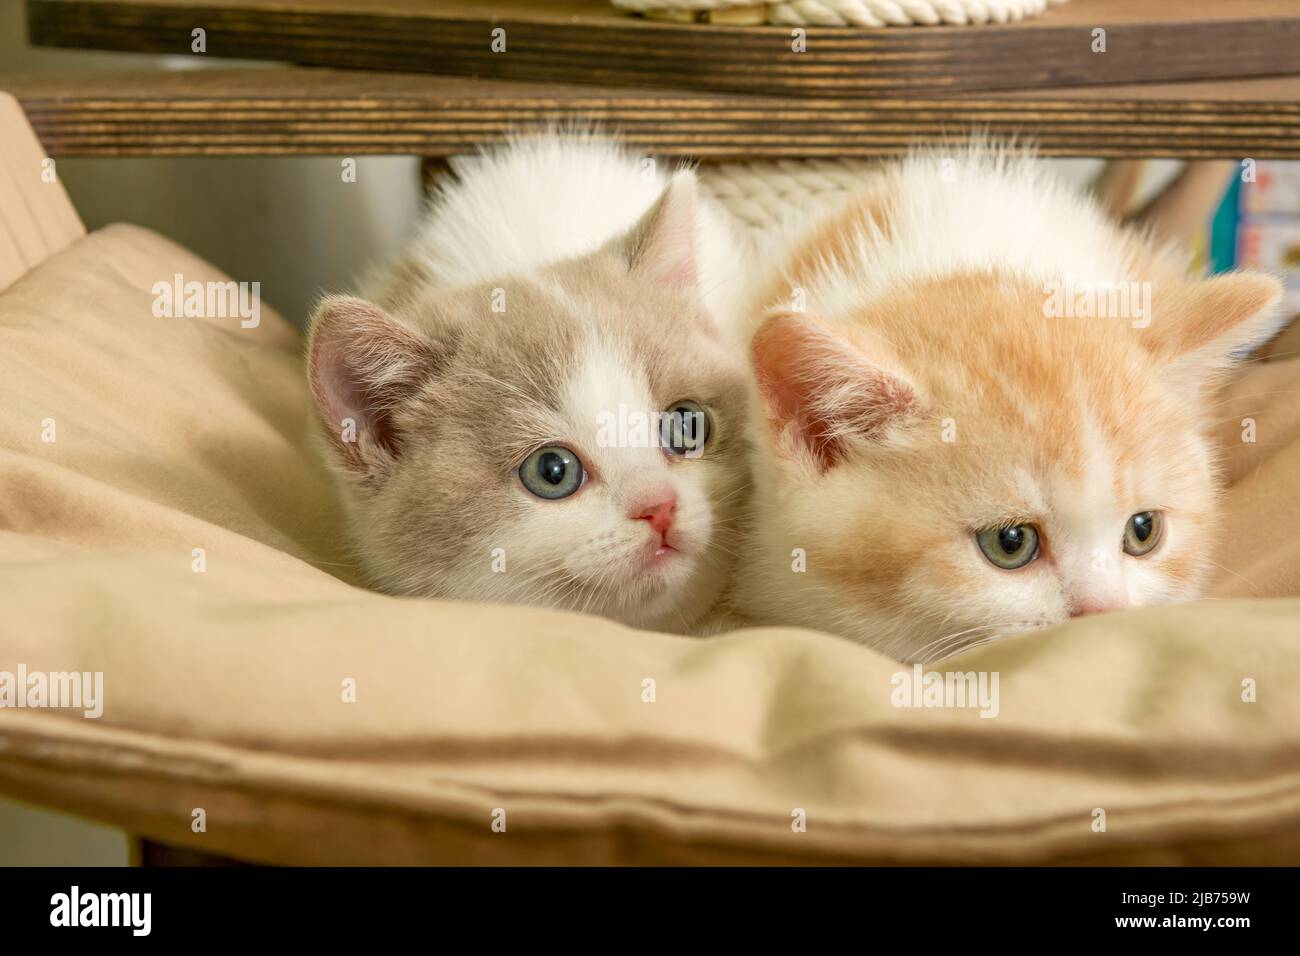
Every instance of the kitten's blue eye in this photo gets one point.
(1143, 533)
(1009, 548)
(552, 472)
(684, 428)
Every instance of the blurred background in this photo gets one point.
(288, 222)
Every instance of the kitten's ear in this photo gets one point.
(822, 389)
(363, 364)
(662, 245)
(1207, 324)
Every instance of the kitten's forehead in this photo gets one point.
(605, 378)
(1092, 487)
(1058, 417)
(550, 355)
(643, 339)
(538, 355)
(1079, 465)
(984, 344)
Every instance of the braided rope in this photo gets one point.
(860, 13)
(759, 193)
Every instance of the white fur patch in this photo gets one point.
(975, 210)
(496, 220)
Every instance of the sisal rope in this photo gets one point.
(758, 194)
(845, 13)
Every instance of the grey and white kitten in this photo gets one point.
(482, 407)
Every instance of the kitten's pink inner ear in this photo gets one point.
(662, 245)
(820, 387)
(363, 365)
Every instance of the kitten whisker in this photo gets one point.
(1249, 583)
(934, 647)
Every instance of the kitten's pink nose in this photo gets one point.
(659, 514)
(1080, 607)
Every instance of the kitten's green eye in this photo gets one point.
(684, 428)
(552, 472)
(1143, 533)
(1009, 548)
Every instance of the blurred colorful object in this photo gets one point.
(1267, 204)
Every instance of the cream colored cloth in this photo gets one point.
(224, 690)
(36, 218)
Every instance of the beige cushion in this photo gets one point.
(223, 689)
(36, 218)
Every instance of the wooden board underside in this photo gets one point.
(307, 111)
(587, 41)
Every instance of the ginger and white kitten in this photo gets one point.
(559, 285)
(949, 456)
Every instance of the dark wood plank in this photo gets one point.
(587, 41)
(152, 854)
(308, 111)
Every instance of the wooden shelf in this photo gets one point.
(588, 41)
(308, 111)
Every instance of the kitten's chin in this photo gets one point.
(658, 597)
(666, 591)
